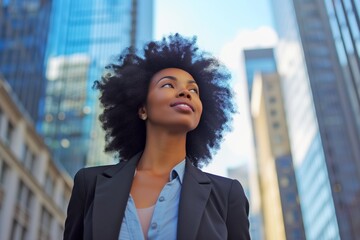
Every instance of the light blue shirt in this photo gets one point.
(163, 224)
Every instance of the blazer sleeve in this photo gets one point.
(238, 211)
(75, 212)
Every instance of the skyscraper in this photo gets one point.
(85, 36)
(258, 60)
(320, 120)
(66, 122)
(278, 189)
(23, 37)
(344, 17)
(278, 192)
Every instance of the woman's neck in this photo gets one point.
(162, 152)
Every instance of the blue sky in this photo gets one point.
(224, 28)
(215, 22)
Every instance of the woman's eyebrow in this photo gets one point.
(175, 79)
(192, 81)
(169, 77)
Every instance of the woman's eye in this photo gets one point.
(168, 85)
(194, 90)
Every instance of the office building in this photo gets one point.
(23, 36)
(34, 192)
(258, 60)
(320, 119)
(344, 17)
(278, 189)
(66, 124)
(94, 32)
(255, 61)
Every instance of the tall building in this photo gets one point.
(258, 60)
(85, 36)
(66, 122)
(344, 17)
(320, 120)
(24, 29)
(34, 192)
(278, 189)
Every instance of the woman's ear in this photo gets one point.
(142, 113)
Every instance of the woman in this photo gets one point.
(164, 114)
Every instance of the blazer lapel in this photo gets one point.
(111, 196)
(195, 193)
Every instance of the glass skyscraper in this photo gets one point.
(85, 36)
(320, 120)
(344, 16)
(23, 36)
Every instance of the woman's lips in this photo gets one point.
(183, 107)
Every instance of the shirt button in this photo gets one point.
(161, 199)
(154, 225)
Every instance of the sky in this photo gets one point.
(223, 28)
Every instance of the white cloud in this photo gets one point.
(231, 52)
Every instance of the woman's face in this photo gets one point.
(173, 101)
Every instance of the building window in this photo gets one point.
(4, 168)
(289, 218)
(18, 231)
(276, 125)
(272, 99)
(24, 196)
(29, 159)
(3, 175)
(9, 133)
(45, 224)
(49, 184)
(273, 112)
(284, 182)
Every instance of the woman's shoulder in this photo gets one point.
(93, 171)
(218, 178)
(88, 175)
(225, 183)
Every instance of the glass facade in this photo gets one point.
(23, 37)
(85, 36)
(344, 17)
(320, 122)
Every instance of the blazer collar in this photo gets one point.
(111, 196)
(112, 193)
(194, 195)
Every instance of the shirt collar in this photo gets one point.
(178, 170)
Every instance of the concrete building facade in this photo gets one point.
(34, 193)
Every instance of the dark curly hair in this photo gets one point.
(125, 86)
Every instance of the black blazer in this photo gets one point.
(211, 207)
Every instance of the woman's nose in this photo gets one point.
(184, 93)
